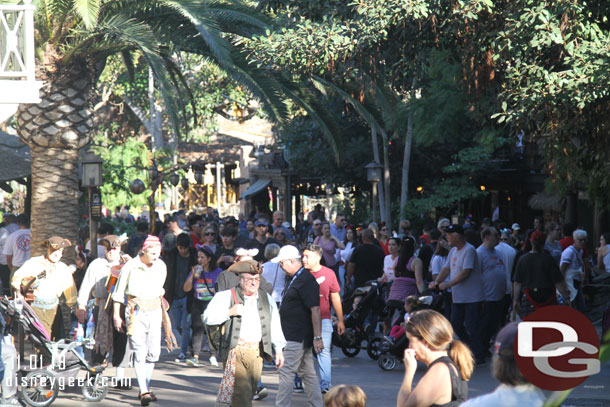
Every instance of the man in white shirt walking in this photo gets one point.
(17, 245)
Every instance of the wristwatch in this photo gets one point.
(317, 338)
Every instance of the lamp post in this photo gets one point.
(91, 178)
(373, 175)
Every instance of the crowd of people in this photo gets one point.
(261, 290)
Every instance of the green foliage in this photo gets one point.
(356, 210)
(122, 164)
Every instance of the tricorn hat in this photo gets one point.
(56, 243)
(245, 266)
(112, 241)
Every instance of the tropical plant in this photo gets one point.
(74, 40)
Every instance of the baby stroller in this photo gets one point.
(40, 384)
(390, 352)
(369, 302)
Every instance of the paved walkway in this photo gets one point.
(177, 385)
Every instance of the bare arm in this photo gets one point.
(564, 267)
(464, 274)
(9, 261)
(351, 268)
(418, 268)
(335, 299)
(118, 321)
(441, 276)
(563, 289)
(338, 242)
(188, 284)
(516, 294)
(316, 320)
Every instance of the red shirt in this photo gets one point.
(196, 240)
(328, 284)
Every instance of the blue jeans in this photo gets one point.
(466, 322)
(324, 358)
(180, 323)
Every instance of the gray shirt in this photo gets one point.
(471, 289)
(493, 273)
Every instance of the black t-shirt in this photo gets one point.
(223, 251)
(295, 310)
(539, 273)
(255, 244)
(368, 259)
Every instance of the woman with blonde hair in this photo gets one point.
(449, 361)
(345, 395)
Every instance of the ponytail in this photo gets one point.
(462, 357)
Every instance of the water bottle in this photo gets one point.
(79, 332)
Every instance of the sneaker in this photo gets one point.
(181, 358)
(324, 391)
(193, 362)
(213, 361)
(261, 393)
(298, 388)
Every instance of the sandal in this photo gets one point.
(145, 399)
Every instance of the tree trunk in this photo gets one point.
(54, 197)
(380, 189)
(55, 129)
(406, 162)
(386, 181)
(155, 115)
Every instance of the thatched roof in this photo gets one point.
(542, 201)
(14, 158)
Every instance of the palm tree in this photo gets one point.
(74, 39)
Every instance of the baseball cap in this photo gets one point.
(516, 226)
(505, 339)
(261, 222)
(456, 229)
(287, 252)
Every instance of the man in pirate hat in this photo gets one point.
(49, 278)
(252, 324)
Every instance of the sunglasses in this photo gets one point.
(210, 233)
(317, 224)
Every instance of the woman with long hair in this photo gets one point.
(603, 253)
(408, 278)
(384, 238)
(201, 280)
(389, 262)
(329, 245)
(280, 236)
(350, 242)
(450, 363)
(209, 237)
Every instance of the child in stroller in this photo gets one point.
(40, 384)
(367, 306)
(392, 347)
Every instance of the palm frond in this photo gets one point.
(88, 11)
(319, 113)
(362, 111)
(196, 12)
(237, 16)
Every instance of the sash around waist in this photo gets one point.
(44, 303)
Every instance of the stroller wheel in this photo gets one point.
(39, 388)
(350, 351)
(387, 362)
(373, 348)
(95, 390)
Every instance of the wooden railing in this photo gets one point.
(17, 62)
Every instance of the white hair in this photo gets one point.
(579, 234)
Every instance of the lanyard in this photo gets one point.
(291, 281)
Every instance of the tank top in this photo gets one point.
(459, 387)
(409, 272)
